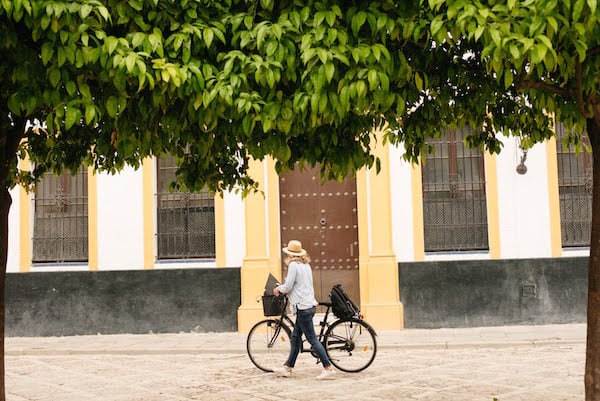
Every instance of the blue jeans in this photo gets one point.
(304, 324)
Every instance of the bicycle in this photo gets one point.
(350, 343)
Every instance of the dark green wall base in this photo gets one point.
(110, 302)
(493, 292)
(434, 295)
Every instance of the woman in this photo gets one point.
(301, 294)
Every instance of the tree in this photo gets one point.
(215, 83)
(549, 53)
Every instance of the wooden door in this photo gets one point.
(324, 218)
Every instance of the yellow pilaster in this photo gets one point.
(262, 243)
(493, 209)
(379, 286)
(92, 219)
(25, 224)
(148, 211)
(553, 198)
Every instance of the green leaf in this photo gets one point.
(314, 102)
(85, 10)
(267, 4)
(248, 124)
(130, 61)
(418, 81)
(552, 23)
(479, 31)
(329, 71)
(322, 102)
(270, 78)
(84, 89)
(384, 81)
(496, 37)
(112, 104)
(323, 55)
(581, 48)
(545, 40)
(7, 5)
(373, 78)
(47, 52)
(90, 114)
(361, 89)
(358, 21)
(72, 115)
(14, 105)
(577, 9)
(104, 13)
(54, 77)
(137, 39)
(508, 78)
(267, 125)
(208, 36)
(71, 88)
(514, 51)
(111, 44)
(436, 24)
(261, 35)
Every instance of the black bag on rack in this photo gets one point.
(341, 304)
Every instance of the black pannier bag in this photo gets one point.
(341, 304)
(272, 305)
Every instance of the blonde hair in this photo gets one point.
(292, 258)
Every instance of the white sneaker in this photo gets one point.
(282, 372)
(326, 374)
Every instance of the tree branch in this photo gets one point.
(593, 51)
(527, 84)
(580, 102)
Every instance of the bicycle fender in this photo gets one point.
(369, 327)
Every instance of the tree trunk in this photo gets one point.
(592, 360)
(11, 132)
(5, 202)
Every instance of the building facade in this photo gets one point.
(458, 205)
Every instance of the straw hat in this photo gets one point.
(294, 248)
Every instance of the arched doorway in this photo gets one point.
(324, 218)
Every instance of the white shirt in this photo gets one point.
(299, 286)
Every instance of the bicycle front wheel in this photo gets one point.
(268, 344)
(350, 345)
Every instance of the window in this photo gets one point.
(574, 191)
(186, 221)
(60, 227)
(454, 202)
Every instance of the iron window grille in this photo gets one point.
(185, 220)
(454, 198)
(60, 223)
(575, 191)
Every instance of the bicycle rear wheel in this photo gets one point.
(268, 344)
(350, 345)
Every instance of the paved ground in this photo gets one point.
(532, 363)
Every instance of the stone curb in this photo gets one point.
(242, 350)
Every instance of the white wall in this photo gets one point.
(14, 230)
(523, 206)
(402, 205)
(120, 220)
(523, 202)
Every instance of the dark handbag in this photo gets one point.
(273, 305)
